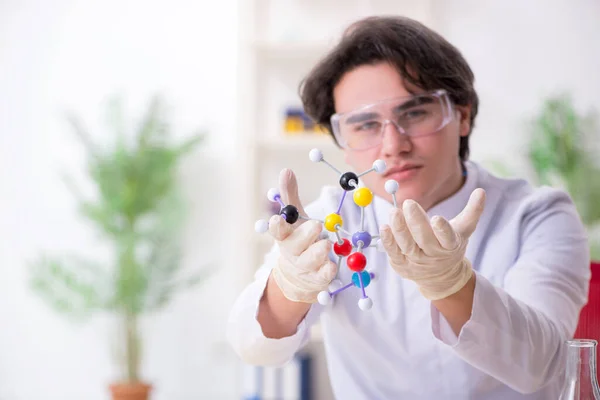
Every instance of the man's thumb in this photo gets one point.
(288, 186)
(466, 222)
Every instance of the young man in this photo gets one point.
(482, 278)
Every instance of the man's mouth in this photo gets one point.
(398, 169)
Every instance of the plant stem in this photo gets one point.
(131, 331)
(132, 346)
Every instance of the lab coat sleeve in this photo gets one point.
(516, 333)
(245, 334)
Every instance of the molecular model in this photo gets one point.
(350, 249)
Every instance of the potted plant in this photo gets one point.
(563, 152)
(137, 209)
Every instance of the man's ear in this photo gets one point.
(464, 113)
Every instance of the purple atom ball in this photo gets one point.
(365, 237)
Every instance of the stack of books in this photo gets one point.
(289, 382)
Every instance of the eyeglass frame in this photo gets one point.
(442, 94)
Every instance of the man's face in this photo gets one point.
(427, 167)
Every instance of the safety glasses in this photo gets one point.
(418, 115)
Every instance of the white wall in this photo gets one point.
(74, 54)
(521, 52)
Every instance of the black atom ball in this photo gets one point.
(347, 179)
(290, 214)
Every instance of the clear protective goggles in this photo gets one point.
(417, 115)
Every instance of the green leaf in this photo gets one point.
(116, 119)
(595, 251)
(130, 280)
(563, 145)
(70, 285)
(190, 144)
(82, 133)
(103, 217)
(153, 129)
(500, 168)
(70, 184)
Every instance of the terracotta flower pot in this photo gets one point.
(130, 391)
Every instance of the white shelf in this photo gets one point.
(298, 142)
(280, 42)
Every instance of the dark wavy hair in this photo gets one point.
(422, 56)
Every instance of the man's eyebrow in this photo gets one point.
(417, 101)
(361, 117)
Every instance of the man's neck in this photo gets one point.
(454, 184)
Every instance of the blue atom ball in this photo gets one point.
(366, 278)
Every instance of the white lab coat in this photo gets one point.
(531, 259)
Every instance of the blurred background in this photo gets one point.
(115, 114)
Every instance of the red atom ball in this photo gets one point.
(356, 261)
(342, 249)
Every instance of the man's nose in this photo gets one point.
(394, 140)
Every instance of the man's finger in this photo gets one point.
(326, 272)
(278, 228)
(301, 238)
(418, 224)
(402, 233)
(389, 244)
(444, 233)
(466, 222)
(314, 256)
(288, 186)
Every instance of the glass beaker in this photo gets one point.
(581, 381)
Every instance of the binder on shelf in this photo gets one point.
(292, 381)
(296, 122)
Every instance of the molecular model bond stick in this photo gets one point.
(350, 249)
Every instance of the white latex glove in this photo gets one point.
(432, 254)
(303, 269)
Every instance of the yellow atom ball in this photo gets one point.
(332, 220)
(363, 197)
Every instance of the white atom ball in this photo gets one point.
(315, 155)
(365, 304)
(391, 186)
(379, 245)
(324, 298)
(272, 193)
(261, 226)
(379, 166)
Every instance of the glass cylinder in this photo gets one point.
(581, 381)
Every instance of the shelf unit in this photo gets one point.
(270, 73)
(280, 41)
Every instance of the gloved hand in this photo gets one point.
(432, 254)
(303, 268)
